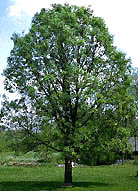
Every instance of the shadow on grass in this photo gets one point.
(43, 186)
(29, 186)
(88, 184)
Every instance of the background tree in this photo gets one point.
(69, 69)
(134, 92)
(19, 122)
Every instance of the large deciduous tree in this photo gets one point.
(71, 72)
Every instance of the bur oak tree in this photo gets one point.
(69, 68)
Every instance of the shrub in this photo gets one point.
(135, 160)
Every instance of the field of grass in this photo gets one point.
(43, 178)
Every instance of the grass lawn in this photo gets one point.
(102, 178)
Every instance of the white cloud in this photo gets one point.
(121, 19)
(30, 7)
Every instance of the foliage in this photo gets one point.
(19, 125)
(44, 155)
(134, 92)
(98, 158)
(136, 160)
(3, 143)
(70, 79)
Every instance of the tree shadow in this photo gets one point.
(42, 185)
(88, 184)
(30, 186)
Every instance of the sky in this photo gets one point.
(121, 18)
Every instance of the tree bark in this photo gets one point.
(123, 158)
(135, 138)
(68, 172)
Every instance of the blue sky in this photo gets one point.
(119, 15)
(9, 25)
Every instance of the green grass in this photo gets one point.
(102, 178)
(5, 155)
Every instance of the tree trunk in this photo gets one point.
(68, 172)
(123, 158)
(135, 138)
(97, 160)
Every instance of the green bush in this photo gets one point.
(135, 160)
(98, 158)
(7, 160)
